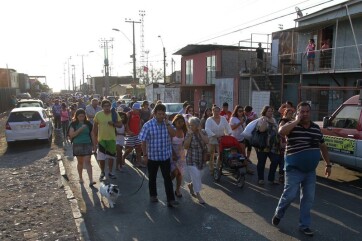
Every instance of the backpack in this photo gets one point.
(74, 125)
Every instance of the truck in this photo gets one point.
(343, 133)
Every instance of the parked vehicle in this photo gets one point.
(30, 103)
(23, 96)
(172, 109)
(112, 98)
(28, 123)
(97, 96)
(343, 133)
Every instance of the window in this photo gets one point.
(211, 69)
(189, 72)
(347, 118)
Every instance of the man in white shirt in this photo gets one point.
(92, 109)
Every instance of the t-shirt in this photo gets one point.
(202, 105)
(227, 114)
(237, 132)
(83, 137)
(105, 131)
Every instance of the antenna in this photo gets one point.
(299, 12)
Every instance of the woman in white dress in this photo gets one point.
(216, 126)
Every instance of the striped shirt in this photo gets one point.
(159, 146)
(300, 139)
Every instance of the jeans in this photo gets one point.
(165, 166)
(65, 125)
(295, 179)
(57, 122)
(262, 156)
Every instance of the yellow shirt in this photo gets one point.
(105, 131)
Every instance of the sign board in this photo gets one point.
(340, 144)
(224, 92)
(259, 100)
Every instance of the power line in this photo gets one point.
(266, 21)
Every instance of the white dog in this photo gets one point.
(111, 192)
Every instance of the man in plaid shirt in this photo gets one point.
(157, 151)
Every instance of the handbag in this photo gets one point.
(259, 139)
(205, 153)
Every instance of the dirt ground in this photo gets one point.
(33, 204)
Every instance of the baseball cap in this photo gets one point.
(136, 106)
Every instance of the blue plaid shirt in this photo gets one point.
(159, 146)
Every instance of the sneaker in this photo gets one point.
(111, 176)
(172, 204)
(275, 220)
(307, 231)
(261, 182)
(153, 199)
(102, 176)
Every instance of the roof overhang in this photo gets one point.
(195, 49)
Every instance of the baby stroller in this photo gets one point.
(233, 166)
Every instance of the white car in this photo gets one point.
(172, 109)
(28, 123)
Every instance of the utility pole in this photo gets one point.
(82, 73)
(69, 72)
(105, 45)
(73, 77)
(164, 60)
(134, 54)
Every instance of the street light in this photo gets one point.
(82, 55)
(116, 29)
(164, 60)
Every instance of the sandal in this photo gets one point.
(178, 195)
(92, 184)
(81, 181)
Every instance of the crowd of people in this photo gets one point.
(177, 145)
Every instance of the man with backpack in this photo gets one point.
(105, 133)
(133, 128)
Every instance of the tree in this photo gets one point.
(149, 75)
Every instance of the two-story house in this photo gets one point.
(331, 76)
(212, 71)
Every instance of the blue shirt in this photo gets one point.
(159, 146)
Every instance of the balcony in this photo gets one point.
(333, 60)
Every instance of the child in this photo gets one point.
(235, 158)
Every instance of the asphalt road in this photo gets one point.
(231, 213)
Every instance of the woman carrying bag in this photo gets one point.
(272, 149)
(195, 142)
(80, 132)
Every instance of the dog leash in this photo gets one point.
(139, 171)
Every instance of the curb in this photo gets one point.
(77, 215)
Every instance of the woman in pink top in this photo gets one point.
(310, 52)
(178, 152)
(64, 119)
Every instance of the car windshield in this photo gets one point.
(24, 116)
(29, 104)
(173, 107)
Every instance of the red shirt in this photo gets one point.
(226, 114)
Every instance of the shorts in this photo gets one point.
(103, 156)
(311, 56)
(82, 149)
(132, 141)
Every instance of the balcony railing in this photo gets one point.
(329, 60)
